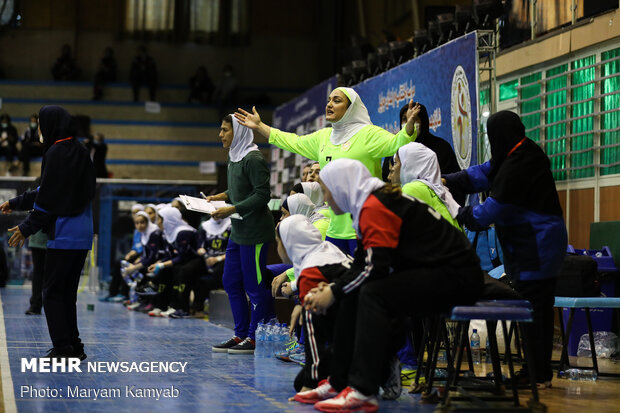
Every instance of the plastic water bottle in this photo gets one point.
(260, 332)
(474, 344)
(487, 351)
(579, 374)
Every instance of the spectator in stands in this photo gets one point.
(352, 135)
(226, 92)
(65, 67)
(416, 169)
(313, 175)
(245, 274)
(143, 72)
(8, 141)
(525, 208)
(98, 152)
(314, 261)
(62, 205)
(409, 260)
(201, 87)
(213, 237)
(31, 143)
(105, 73)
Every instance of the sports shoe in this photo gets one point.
(180, 314)
(146, 309)
(393, 387)
(407, 376)
(33, 311)
(298, 357)
(155, 312)
(225, 345)
(247, 346)
(168, 312)
(117, 298)
(66, 352)
(133, 306)
(323, 391)
(291, 347)
(349, 400)
(147, 289)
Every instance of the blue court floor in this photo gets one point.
(211, 382)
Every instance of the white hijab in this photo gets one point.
(313, 191)
(173, 223)
(154, 209)
(242, 143)
(419, 163)
(300, 204)
(350, 184)
(216, 226)
(304, 245)
(150, 228)
(137, 207)
(354, 119)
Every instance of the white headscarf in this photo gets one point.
(304, 245)
(350, 184)
(154, 209)
(173, 223)
(419, 163)
(137, 207)
(242, 143)
(302, 205)
(354, 119)
(313, 191)
(216, 226)
(150, 228)
(160, 206)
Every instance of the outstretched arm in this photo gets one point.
(252, 121)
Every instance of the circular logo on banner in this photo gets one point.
(461, 118)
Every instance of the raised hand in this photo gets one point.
(250, 120)
(413, 111)
(17, 239)
(5, 208)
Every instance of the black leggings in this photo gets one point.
(62, 277)
(185, 277)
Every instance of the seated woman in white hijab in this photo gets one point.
(416, 169)
(186, 265)
(297, 204)
(313, 191)
(314, 261)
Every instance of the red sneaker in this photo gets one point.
(322, 392)
(349, 400)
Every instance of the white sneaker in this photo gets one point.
(168, 312)
(349, 400)
(323, 391)
(133, 306)
(155, 312)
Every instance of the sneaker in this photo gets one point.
(146, 309)
(168, 312)
(33, 311)
(298, 357)
(225, 345)
(180, 314)
(155, 312)
(323, 391)
(291, 347)
(133, 306)
(407, 376)
(66, 352)
(117, 298)
(393, 386)
(349, 400)
(247, 346)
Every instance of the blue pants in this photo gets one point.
(347, 246)
(245, 273)
(277, 269)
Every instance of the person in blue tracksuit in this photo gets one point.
(61, 206)
(524, 206)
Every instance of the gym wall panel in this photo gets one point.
(581, 216)
(610, 203)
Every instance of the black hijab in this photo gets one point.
(520, 170)
(67, 173)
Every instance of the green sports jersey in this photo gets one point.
(424, 193)
(368, 146)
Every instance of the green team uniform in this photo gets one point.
(368, 145)
(424, 193)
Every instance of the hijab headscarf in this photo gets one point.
(136, 208)
(302, 205)
(150, 228)
(304, 245)
(350, 184)
(354, 119)
(67, 172)
(313, 191)
(242, 143)
(173, 223)
(216, 226)
(419, 163)
(520, 170)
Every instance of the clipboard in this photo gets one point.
(204, 206)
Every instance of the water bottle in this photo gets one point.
(579, 374)
(474, 344)
(260, 332)
(487, 351)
